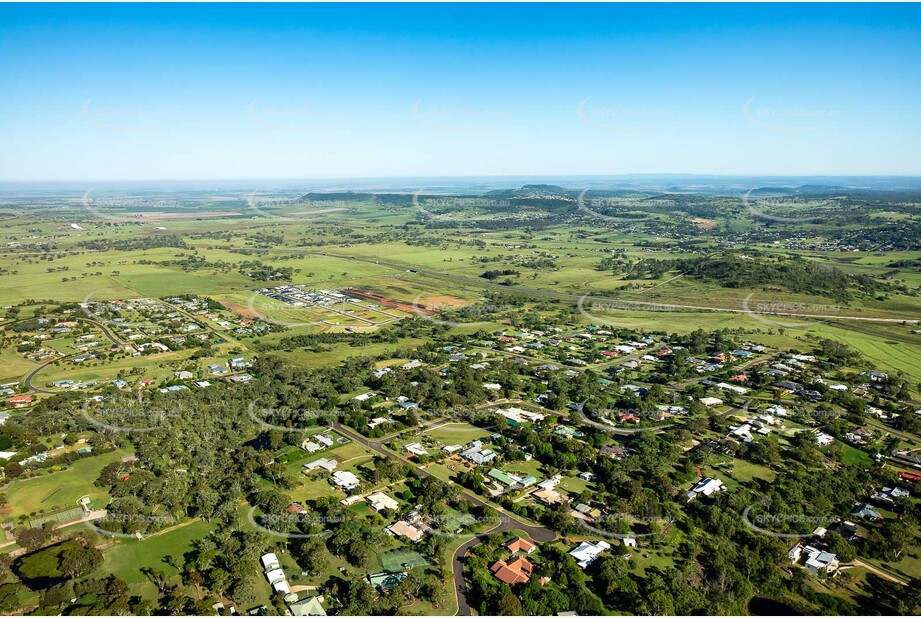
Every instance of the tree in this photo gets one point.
(32, 538)
(310, 554)
(509, 605)
(77, 560)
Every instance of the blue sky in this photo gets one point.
(134, 92)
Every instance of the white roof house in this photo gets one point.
(269, 562)
(520, 416)
(732, 387)
(705, 487)
(818, 560)
(479, 455)
(281, 587)
(345, 479)
(416, 449)
(380, 501)
(324, 439)
(823, 439)
(275, 575)
(310, 446)
(378, 420)
(776, 410)
(326, 464)
(551, 482)
(743, 432)
(586, 552)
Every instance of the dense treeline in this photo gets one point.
(735, 271)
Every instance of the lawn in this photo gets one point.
(128, 558)
(526, 468)
(456, 433)
(574, 485)
(13, 366)
(60, 489)
(851, 456)
(745, 471)
(444, 471)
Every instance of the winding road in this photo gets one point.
(27, 381)
(507, 521)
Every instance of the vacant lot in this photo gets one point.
(60, 489)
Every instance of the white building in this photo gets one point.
(520, 416)
(380, 501)
(326, 464)
(416, 449)
(586, 552)
(705, 487)
(346, 480)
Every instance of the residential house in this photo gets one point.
(549, 497)
(405, 529)
(477, 454)
(326, 464)
(516, 571)
(586, 552)
(21, 401)
(519, 544)
(311, 606)
(818, 561)
(503, 477)
(385, 581)
(866, 511)
(380, 501)
(705, 487)
(346, 480)
(416, 449)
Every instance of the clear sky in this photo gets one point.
(123, 92)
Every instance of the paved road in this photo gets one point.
(27, 381)
(586, 298)
(507, 521)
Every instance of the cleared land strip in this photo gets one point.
(599, 299)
